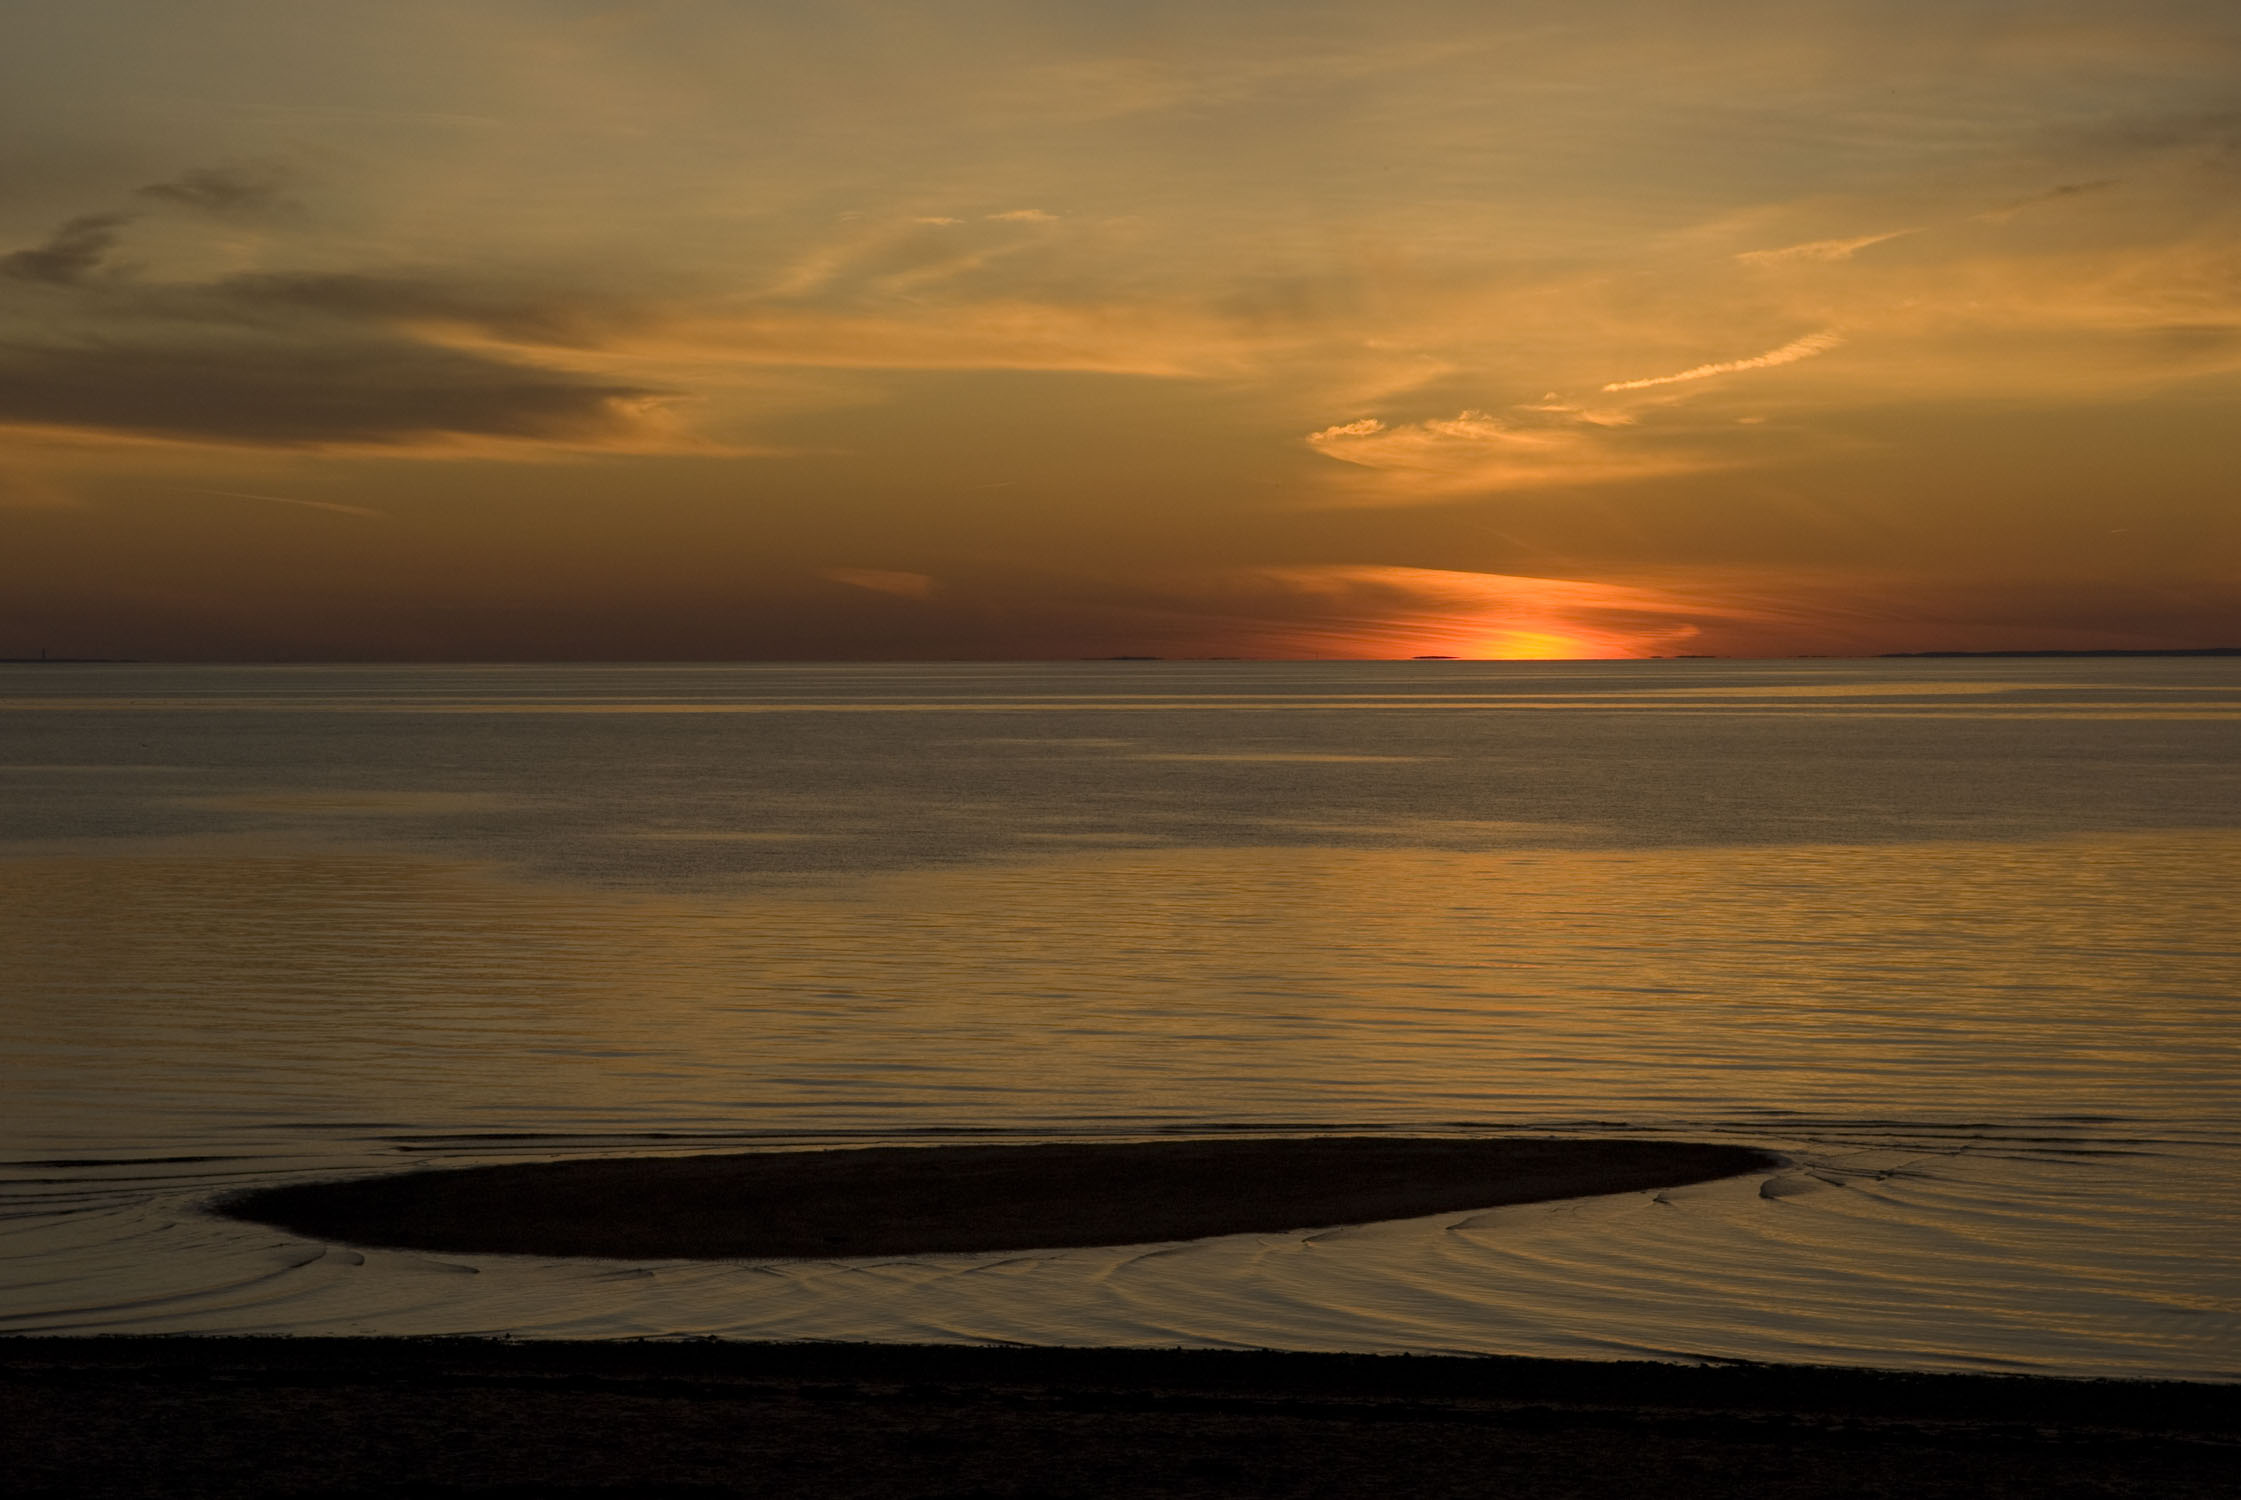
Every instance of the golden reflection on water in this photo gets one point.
(173, 997)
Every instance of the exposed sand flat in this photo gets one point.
(914, 1200)
(257, 1419)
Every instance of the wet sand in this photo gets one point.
(257, 1418)
(933, 1199)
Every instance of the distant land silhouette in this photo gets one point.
(2173, 651)
(82, 661)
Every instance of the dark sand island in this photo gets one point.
(917, 1200)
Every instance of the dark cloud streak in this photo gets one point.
(368, 391)
(287, 358)
(225, 191)
(69, 255)
(393, 299)
(76, 249)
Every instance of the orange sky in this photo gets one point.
(558, 328)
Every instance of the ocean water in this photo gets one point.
(1957, 938)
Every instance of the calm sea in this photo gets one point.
(1958, 938)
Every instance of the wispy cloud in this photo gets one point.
(1788, 354)
(2001, 213)
(884, 581)
(1477, 452)
(1119, 338)
(1594, 416)
(1821, 250)
(228, 191)
(334, 506)
(1115, 84)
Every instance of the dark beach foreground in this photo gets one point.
(261, 1417)
(917, 1200)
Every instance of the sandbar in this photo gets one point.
(920, 1200)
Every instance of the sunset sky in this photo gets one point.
(717, 328)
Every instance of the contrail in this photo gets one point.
(1823, 249)
(1790, 353)
(334, 505)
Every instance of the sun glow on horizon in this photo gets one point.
(1372, 610)
(1526, 644)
